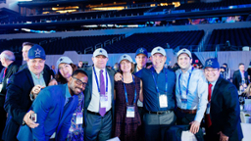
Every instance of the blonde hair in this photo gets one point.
(247, 91)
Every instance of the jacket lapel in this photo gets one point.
(29, 77)
(46, 78)
(112, 81)
(216, 87)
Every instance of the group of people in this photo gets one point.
(137, 102)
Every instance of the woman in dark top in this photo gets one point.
(127, 93)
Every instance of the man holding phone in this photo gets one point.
(54, 107)
(23, 87)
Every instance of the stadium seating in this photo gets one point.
(238, 37)
(151, 40)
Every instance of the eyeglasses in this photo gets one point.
(79, 82)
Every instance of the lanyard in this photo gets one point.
(135, 94)
(187, 82)
(106, 87)
(157, 88)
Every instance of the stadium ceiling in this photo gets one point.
(55, 2)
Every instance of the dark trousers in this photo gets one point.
(3, 116)
(157, 124)
(183, 121)
(98, 127)
(141, 127)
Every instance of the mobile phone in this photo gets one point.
(33, 117)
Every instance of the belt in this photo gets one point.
(94, 113)
(159, 112)
(187, 111)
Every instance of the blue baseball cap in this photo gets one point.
(36, 51)
(141, 51)
(212, 63)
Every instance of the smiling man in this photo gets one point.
(223, 112)
(191, 94)
(23, 87)
(99, 99)
(158, 89)
(54, 107)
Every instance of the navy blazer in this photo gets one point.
(52, 115)
(12, 69)
(88, 89)
(237, 78)
(225, 110)
(18, 101)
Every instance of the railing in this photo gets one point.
(88, 49)
(99, 45)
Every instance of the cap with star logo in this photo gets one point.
(63, 59)
(186, 51)
(36, 51)
(100, 51)
(125, 57)
(141, 51)
(212, 63)
(158, 49)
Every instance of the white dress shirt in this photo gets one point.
(95, 96)
(197, 91)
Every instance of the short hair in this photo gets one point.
(241, 64)
(8, 56)
(132, 68)
(76, 72)
(225, 64)
(27, 44)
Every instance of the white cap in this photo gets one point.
(125, 57)
(63, 59)
(100, 51)
(186, 51)
(158, 49)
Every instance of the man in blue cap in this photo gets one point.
(223, 110)
(23, 87)
(141, 58)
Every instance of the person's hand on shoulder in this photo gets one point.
(118, 76)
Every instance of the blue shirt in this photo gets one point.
(151, 96)
(197, 91)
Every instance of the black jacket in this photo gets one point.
(18, 101)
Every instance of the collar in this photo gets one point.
(162, 71)
(98, 70)
(213, 83)
(189, 70)
(67, 92)
(35, 76)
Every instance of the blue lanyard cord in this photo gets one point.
(187, 82)
(157, 88)
(106, 87)
(135, 94)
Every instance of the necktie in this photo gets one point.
(102, 111)
(208, 119)
(5, 70)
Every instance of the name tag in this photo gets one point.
(208, 108)
(183, 103)
(163, 101)
(79, 118)
(103, 101)
(130, 112)
(1, 86)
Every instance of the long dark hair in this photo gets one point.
(60, 79)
